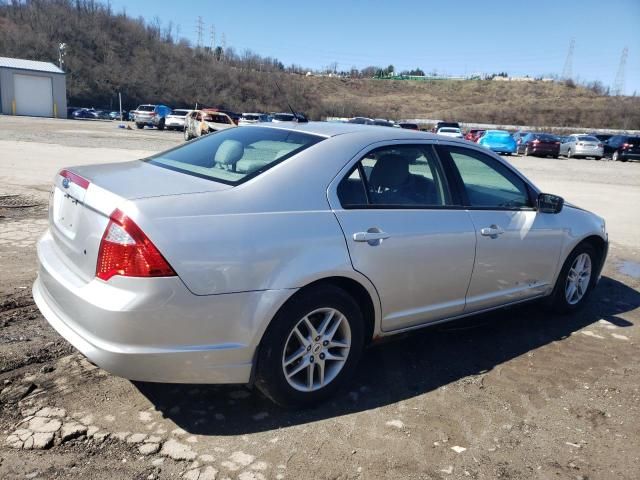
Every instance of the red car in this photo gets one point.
(539, 144)
(473, 135)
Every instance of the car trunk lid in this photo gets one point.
(83, 198)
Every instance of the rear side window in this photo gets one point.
(488, 183)
(234, 155)
(398, 176)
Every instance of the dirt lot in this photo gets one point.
(517, 394)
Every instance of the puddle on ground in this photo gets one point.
(629, 268)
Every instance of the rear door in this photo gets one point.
(407, 233)
(517, 248)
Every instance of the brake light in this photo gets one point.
(536, 141)
(627, 145)
(75, 178)
(125, 250)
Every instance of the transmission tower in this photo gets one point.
(618, 84)
(199, 31)
(223, 43)
(213, 38)
(567, 71)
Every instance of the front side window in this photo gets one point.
(236, 154)
(396, 176)
(488, 183)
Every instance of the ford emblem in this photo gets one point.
(65, 182)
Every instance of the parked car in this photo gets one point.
(499, 141)
(361, 121)
(449, 132)
(273, 255)
(381, 122)
(202, 122)
(104, 114)
(283, 117)
(151, 116)
(409, 125)
(70, 111)
(539, 144)
(84, 113)
(623, 148)
(517, 136)
(474, 134)
(442, 124)
(251, 118)
(175, 120)
(115, 115)
(603, 137)
(581, 146)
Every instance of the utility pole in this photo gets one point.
(62, 51)
(618, 84)
(199, 31)
(567, 71)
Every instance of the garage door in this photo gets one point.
(34, 95)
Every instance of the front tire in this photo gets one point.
(311, 348)
(576, 280)
(187, 137)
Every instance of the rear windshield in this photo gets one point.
(587, 138)
(146, 108)
(251, 117)
(449, 130)
(235, 155)
(283, 117)
(179, 113)
(497, 133)
(545, 137)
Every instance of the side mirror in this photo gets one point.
(549, 203)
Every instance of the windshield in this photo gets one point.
(146, 108)
(283, 117)
(234, 155)
(545, 137)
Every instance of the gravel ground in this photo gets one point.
(517, 394)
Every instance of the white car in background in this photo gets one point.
(251, 118)
(450, 132)
(283, 117)
(175, 120)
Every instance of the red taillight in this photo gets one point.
(126, 250)
(626, 145)
(536, 141)
(75, 178)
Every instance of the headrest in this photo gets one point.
(391, 170)
(229, 152)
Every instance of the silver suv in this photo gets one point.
(151, 116)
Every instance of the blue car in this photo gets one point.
(500, 141)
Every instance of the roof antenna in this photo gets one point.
(300, 118)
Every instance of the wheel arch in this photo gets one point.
(363, 293)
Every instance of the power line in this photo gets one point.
(618, 84)
(567, 71)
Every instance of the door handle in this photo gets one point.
(493, 231)
(369, 236)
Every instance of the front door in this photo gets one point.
(517, 248)
(405, 232)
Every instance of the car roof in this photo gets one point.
(331, 129)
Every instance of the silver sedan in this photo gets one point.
(274, 254)
(576, 146)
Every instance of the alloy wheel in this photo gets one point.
(578, 279)
(316, 349)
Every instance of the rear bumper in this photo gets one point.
(544, 150)
(629, 156)
(589, 152)
(154, 329)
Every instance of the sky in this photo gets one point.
(458, 37)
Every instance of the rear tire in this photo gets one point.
(187, 137)
(569, 154)
(140, 125)
(526, 151)
(161, 124)
(275, 375)
(566, 299)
